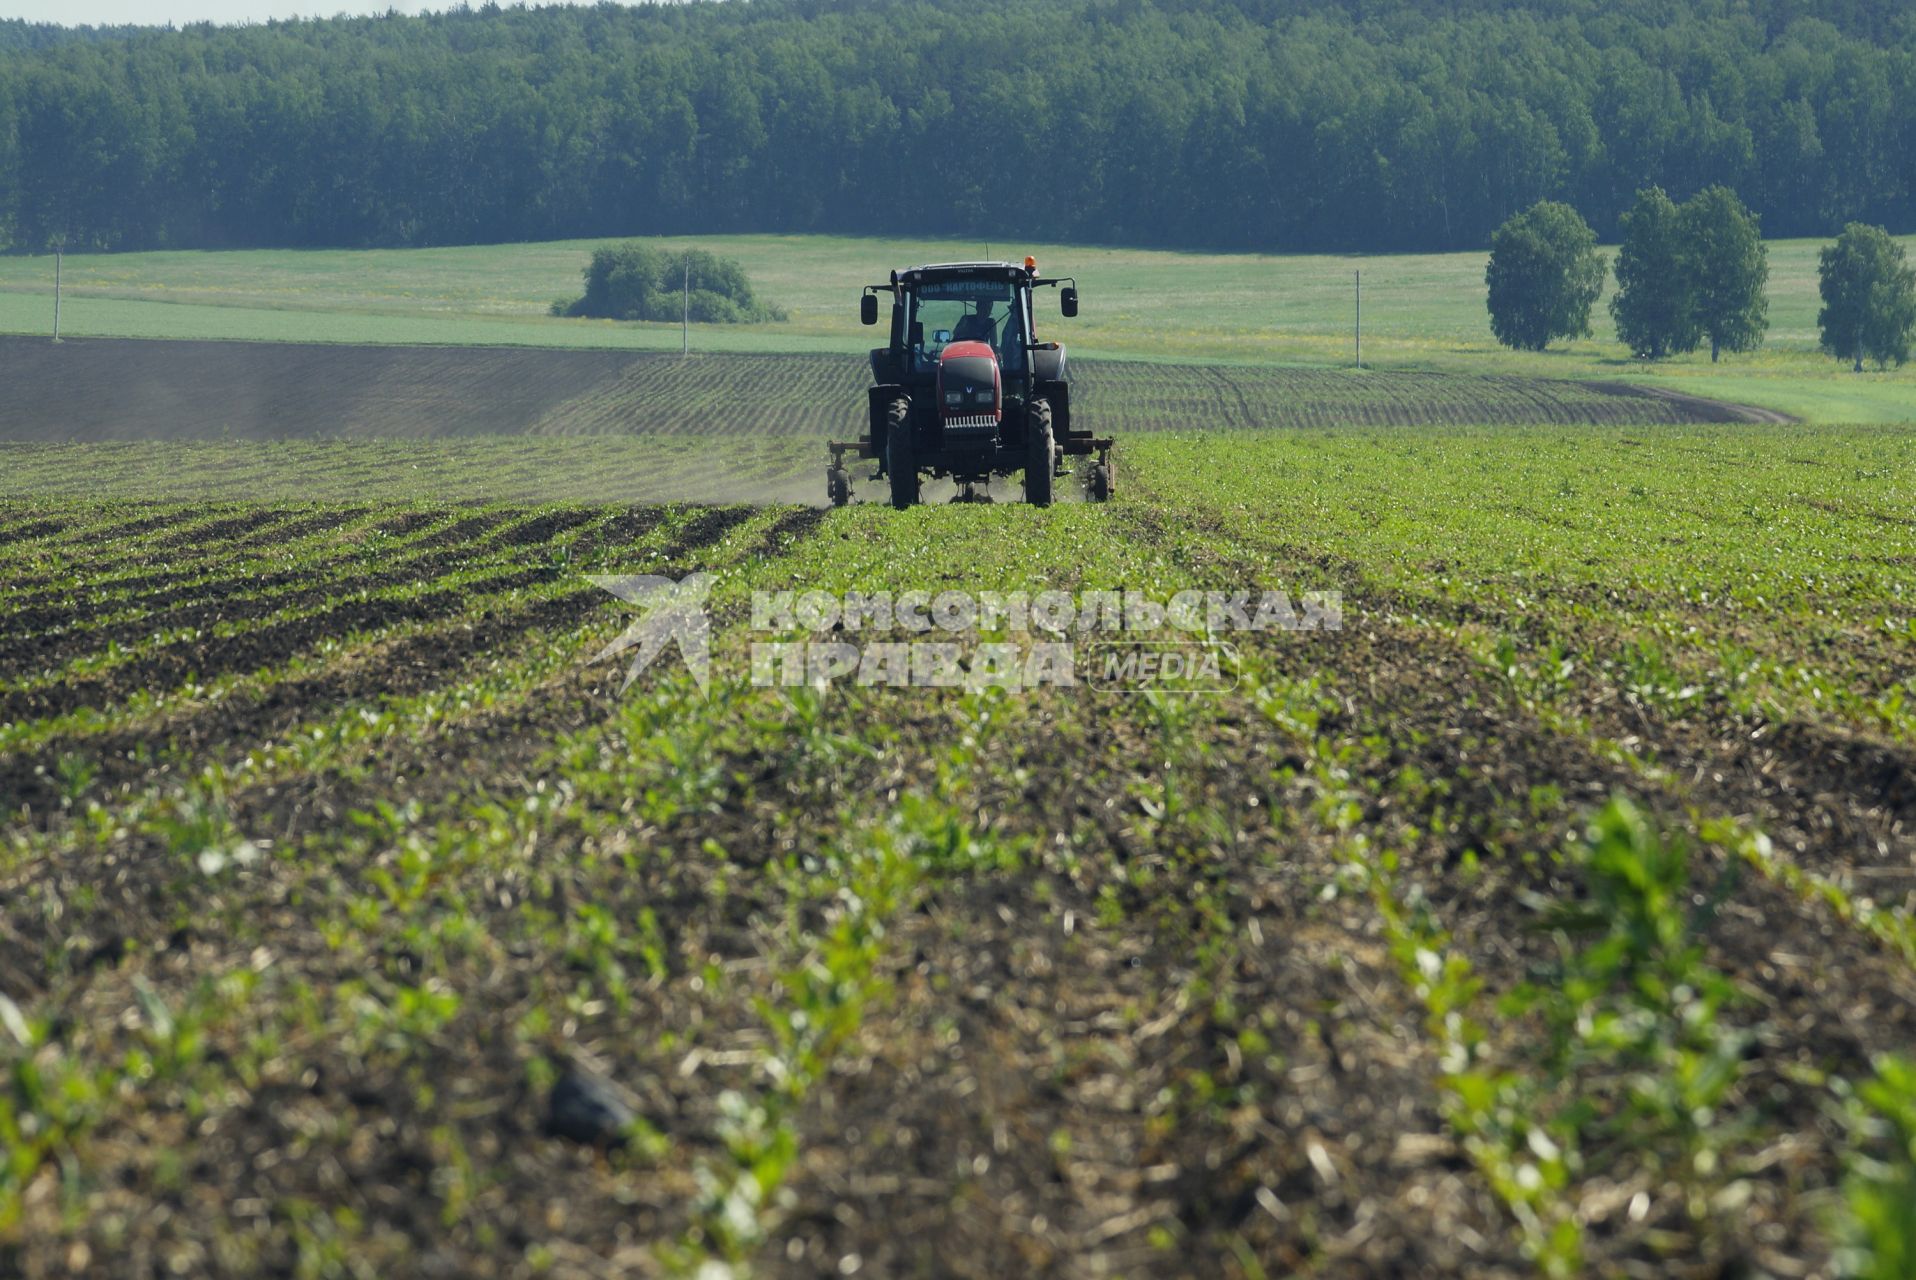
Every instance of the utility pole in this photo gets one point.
(1358, 277)
(59, 249)
(685, 312)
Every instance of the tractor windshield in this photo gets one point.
(966, 309)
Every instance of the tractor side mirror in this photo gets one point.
(868, 309)
(1068, 301)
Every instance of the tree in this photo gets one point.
(1690, 271)
(1655, 306)
(634, 281)
(1544, 275)
(1730, 267)
(1267, 125)
(1869, 297)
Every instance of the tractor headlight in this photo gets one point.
(954, 397)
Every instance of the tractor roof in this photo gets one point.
(964, 268)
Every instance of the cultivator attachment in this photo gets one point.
(1098, 480)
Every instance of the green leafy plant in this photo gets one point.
(1879, 1195)
(1637, 1009)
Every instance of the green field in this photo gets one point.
(1515, 927)
(1421, 311)
(1553, 914)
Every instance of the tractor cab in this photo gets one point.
(991, 312)
(964, 389)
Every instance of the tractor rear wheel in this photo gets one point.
(902, 466)
(1040, 454)
(897, 411)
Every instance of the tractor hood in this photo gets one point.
(969, 384)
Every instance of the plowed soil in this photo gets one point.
(304, 917)
(101, 389)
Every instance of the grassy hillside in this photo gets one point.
(1420, 311)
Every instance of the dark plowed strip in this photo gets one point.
(167, 667)
(706, 528)
(350, 570)
(121, 543)
(619, 532)
(25, 622)
(138, 882)
(305, 526)
(159, 608)
(1833, 800)
(47, 652)
(154, 590)
(194, 547)
(793, 526)
(30, 530)
(14, 515)
(34, 654)
(405, 523)
(467, 532)
(403, 668)
(1831, 762)
(219, 535)
(144, 525)
(543, 529)
(135, 584)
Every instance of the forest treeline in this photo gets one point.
(1241, 124)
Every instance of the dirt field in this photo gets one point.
(100, 389)
(336, 872)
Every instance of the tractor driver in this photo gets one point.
(979, 326)
(982, 326)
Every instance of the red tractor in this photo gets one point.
(964, 390)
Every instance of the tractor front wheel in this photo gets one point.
(1040, 454)
(902, 466)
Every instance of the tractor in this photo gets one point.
(965, 390)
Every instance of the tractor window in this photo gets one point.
(962, 310)
(1012, 339)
